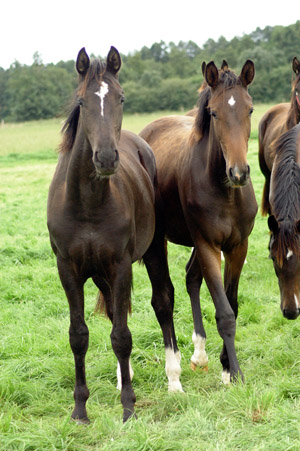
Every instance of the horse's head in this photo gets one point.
(101, 98)
(230, 108)
(296, 85)
(284, 251)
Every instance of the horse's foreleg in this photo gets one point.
(121, 336)
(106, 298)
(78, 334)
(193, 283)
(233, 266)
(162, 302)
(209, 259)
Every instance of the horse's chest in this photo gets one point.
(89, 245)
(224, 223)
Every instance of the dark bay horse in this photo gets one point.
(284, 222)
(208, 198)
(276, 121)
(101, 213)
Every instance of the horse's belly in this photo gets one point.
(144, 232)
(178, 234)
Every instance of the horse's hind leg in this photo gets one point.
(193, 283)
(232, 271)
(120, 335)
(162, 302)
(79, 335)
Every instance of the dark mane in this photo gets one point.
(227, 79)
(293, 115)
(286, 192)
(69, 129)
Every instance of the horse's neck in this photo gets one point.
(293, 117)
(83, 188)
(298, 152)
(216, 166)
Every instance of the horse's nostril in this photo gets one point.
(291, 314)
(248, 169)
(231, 173)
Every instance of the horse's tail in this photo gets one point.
(265, 203)
(104, 306)
(101, 304)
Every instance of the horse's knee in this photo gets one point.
(163, 307)
(226, 324)
(79, 337)
(121, 341)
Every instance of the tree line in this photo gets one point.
(161, 77)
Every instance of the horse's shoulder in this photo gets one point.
(136, 148)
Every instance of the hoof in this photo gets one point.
(175, 387)
(201, 368)
(128, 413)
(81, 421)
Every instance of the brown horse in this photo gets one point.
(284, 222)
(101, 213)
(275, 122)
(208, 198)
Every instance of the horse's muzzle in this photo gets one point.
(291, 314)
(237, 177)
(106, 163)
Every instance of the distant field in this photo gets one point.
(40, 139)
(36, 363)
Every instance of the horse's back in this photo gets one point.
(192, 113)
(271, 126)
(167, 135)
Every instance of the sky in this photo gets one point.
(58, 29)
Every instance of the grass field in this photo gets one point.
(36, 363)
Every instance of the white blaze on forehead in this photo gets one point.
(231, 101)
(289, 254)
(103, 90)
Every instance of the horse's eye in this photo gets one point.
(251, 111)
(80, 101)
(213, 114)
(122, 99)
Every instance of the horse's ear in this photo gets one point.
(296, 65)
(83, 62)
(247, 73)
(273, 224)
(203, 68)
(224, 65)
(211, 74)
(113, 61)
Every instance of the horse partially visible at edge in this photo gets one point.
(284, 221)
(274, 139)
(276, 121)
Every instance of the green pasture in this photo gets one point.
(36, 363)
